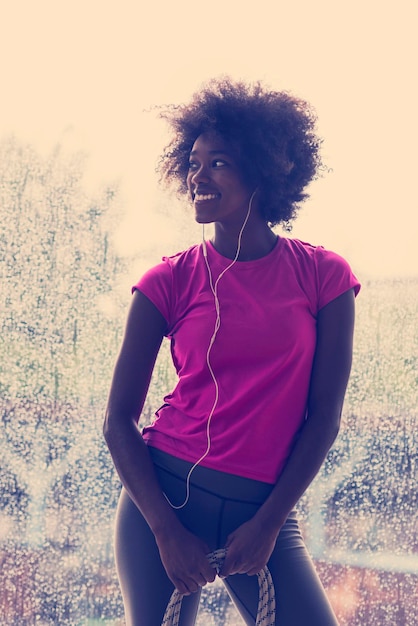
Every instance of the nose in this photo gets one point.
(201, 174)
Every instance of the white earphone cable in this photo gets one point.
(214, 289)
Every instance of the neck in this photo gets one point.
(257, 241)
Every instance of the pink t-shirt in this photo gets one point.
(262, 356)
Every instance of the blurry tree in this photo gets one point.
(384, 378)
(58, 489)
(58, 265)
(363, 502)
(57, 338)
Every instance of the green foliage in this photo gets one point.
(58, 265)
(59, 273)
(384, 377)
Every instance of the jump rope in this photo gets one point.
(266, 612)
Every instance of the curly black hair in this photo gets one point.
(273, 133)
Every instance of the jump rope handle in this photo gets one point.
(266, 613)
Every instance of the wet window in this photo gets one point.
(62, 314)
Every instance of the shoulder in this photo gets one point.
(323, 272)
(186, 258)
(302, 255)
(308, 252)
(163, 271)
(164, 283)
(315, 255)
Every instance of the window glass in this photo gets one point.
(62, 314)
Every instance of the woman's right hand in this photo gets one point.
(182, 553)
(184, 557)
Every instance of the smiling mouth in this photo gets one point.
(203, 197)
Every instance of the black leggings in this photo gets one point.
(218, 504)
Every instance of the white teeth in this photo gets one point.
(208, 196)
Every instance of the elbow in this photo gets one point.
(335, 427)
(335, 424)
(118, 427)
(106, 429)
(328, 423)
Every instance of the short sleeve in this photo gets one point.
(157, 285)
(334, 276)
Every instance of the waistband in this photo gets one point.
(217, 483)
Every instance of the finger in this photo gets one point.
(185, 586)
(254, 572)
(181, 588)
(209, 575)
(229, 569)
(194, 584)
(186, 589)
(239, 568)
(208, 572)
(232, 564)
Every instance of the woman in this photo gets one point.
(261, 333)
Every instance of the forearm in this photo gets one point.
(136, 471)
(330, 373)
(303, 464)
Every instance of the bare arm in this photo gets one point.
(330, 373)
(183, 555)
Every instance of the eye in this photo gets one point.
(193, 166)
(219, 163)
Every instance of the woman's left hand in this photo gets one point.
(248, 549)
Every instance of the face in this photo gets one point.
(215, 182)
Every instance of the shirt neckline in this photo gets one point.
(244, 265)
